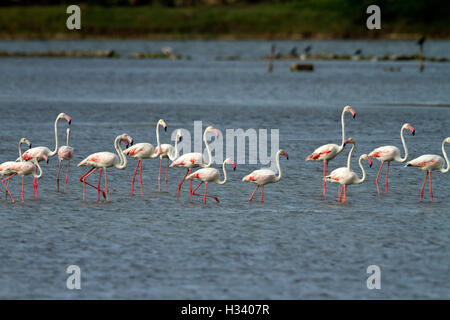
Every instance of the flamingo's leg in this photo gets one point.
(204, 196)
(345, 191)
(140, 179)
(193, 191)
(7, 189)
(431, 190)
(167, 170)
(251, 197)
(190, 185)
(106, 187)
(67, 176)
(134, 175)
(423, 187)
(57, 176)
(197, 194)
(35, 182)
(262, 193)
(378, 175)
(181, 183)
(387, 172)
(340, 193)
(325, 168)
(82, 180)
(98, 185)
(23, 182)
(159, 174)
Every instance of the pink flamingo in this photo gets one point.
(262, 177)
(430, 162)
(344, 176)
(38, 152)
(24, 168)
(64, 153)
(6, 168)
(103, 160)
(390, 153)
(194, 160)
(170, 153)
(141, 151)
(206, 175)
(328, 152)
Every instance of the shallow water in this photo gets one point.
(295, 245)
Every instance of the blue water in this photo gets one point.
(297, 245)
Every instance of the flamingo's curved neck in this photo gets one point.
(20, 151)
(174, 155)
(123, 159)
(349, 159)
(278, 166)
(359, 181)
(36, 168)
(158, 148)
(208, 150)
(343, 129)
(68, 137)
(224, 174)
(446, 159)
(51, 154)
(404, 146)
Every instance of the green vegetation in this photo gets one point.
(296, 19)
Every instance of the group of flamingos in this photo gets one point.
(28, 163)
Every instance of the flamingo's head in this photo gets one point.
(350, 109)
(25, 140)
(126, 139)
(366, 157)
(349, 140)
(179, 137)
(230, 161)
(211, 128)
(409, 127)
(62, 115)
(284, 153)
(161, 122)
(44, 156)
(447, 140)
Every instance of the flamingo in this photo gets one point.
(169, 152)
(25, 168)
(207, 175)
(390, 153)
(6, 167)
(431, 162)
(344, 176)
(328, 152)
(64, 153)
(38, 152)
(194, 160)
(141, 151)
(103, 160)
(262, 177)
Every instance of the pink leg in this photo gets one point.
(23, 182)
(67, 176)
(340, 193)
(159, 175)
(345, 191)
(378, 175)
(106, 187)
(197, 194)
(387, 172)
(134, 175)
(204, 196)
(7, 189)
(423, 187)
(325, 168)
(201, 182)
(167, 169)
(35, 187)
(140, 179)
(251, 197)
(431, 191)
(262, 193)
(98, 185)
(83, 180)
(57, 176)
(181, 183)
(190, 185)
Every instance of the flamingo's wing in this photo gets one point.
(426, 161)
(142, 149)
(185, 159)
(338, 175)
(325, 152)
(260, 176)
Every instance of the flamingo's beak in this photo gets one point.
(234, 166)
(347, 142)
(216, 132)
(165, 128)
(45, 158)
(180, 138)
(413, 131)
(69, 120)
(352, 112)
(126, 143)
(29, 147)
(286, 155)
(370, 162)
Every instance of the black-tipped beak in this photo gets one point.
(165, 128)
(70, 121)
(354, 116)
(131, 143)
(47, 160)
(414, 132)
(29, 147)
(180, 139)
(287, 158)
(234, 168)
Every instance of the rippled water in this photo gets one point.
(295, 245)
